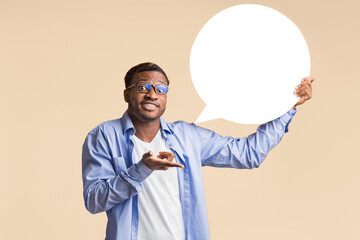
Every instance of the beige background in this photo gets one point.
(61, 69)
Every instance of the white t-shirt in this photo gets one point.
(160, 212)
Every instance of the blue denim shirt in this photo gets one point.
(112, 178)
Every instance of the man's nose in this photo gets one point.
(151, 94)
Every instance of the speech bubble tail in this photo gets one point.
(206, 115)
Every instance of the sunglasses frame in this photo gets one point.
(149, 86)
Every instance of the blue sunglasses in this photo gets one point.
(160, 89)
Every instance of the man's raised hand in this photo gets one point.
(304, 90)
(162, 162)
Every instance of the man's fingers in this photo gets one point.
(148, 154)
(308, 79)
(173, 164)
(303, 91)
(303, 88)
(166, 155)
(169, 157)
(162, 163)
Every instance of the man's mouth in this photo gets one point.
(149, 106)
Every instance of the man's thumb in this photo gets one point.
(148, 154)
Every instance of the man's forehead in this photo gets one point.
(148, 76)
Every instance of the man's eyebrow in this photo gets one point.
(147, 80)
(144, 80)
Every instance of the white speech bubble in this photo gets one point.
(245, 64)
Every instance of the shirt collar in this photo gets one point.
(165, 126)
(128, 125)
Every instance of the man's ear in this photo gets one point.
(126, 95)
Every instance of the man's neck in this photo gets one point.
(146, 131)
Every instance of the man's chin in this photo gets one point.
(149, 117)
(145, 116)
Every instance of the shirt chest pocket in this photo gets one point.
(119, 165)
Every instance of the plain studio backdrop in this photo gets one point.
(62, 65)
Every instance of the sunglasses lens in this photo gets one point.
(162, 89)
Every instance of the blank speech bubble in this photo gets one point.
(245, 64)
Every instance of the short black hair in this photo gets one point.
(142, 67)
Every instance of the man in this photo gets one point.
(146, 173)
